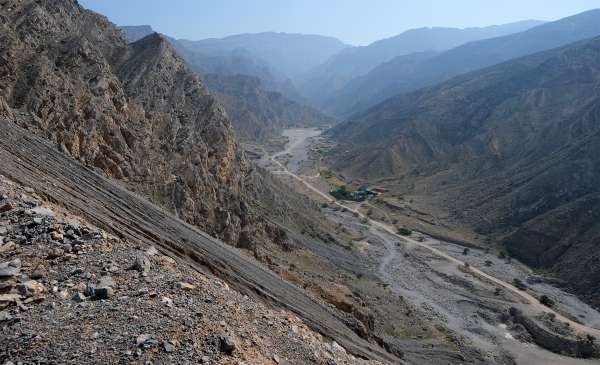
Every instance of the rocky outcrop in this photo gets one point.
(135, 112)
(545, 338)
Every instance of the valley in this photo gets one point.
(205, 189)
(469, 293)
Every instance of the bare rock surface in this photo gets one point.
(55, 319)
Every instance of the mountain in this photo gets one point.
(138, 114)
(245, 87)
(257, 114)
(394, 77)
(226, 62)
(292, 54)
(319, 83)
(510, 150)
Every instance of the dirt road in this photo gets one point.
(531, 302)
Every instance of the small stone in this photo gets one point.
(79, 297)
(168, 346)
(152, 251)
(104, 292)
(167, 301)
(106, 281)
(38, 220)
(222, 323)
(228, 343)
(7, 247)
(67, 248)
(30, 288)
(10, 268)
(55, 253)
(141, 264)
(205, 359)
(57, 236)
(276, 359)
(5, 316)
(146, 341)
(6, 207)
(186, 286)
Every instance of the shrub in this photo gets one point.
(545, 300)
(519, 284)
(404, 231)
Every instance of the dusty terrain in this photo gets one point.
(77, 294)
(471, 301)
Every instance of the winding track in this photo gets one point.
(530, 301)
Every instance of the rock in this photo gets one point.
(276, 359)
(167, 301)
(79, 297)
(67, 248)
(30, 288)
(205, 359)
(57, 236)
(228, 343)
(141, 264)
(6, 207)
(55, 253)
(38, 220)
(106, 281)
(10, 298)
(5, 316)
(10, 268)
(168, 346)
(104, 292)
(186, 286)
(335, 347)
(7, 247)
(152, 251)
(44, 212)
(146, 341)
(89, 290)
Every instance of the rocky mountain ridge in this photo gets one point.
(399, 75)
(323, 81)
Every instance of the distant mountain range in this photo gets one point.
(322, 82)
(511, 150)
(401, 75)
(259, 101)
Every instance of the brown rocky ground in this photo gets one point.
(70, 293)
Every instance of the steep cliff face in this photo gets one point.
(136, 112)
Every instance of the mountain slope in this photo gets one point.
(31, 160)
(254, 97)
(139, 114)
(509, 150)
(257, 114)
(321, 82)
(469, 57)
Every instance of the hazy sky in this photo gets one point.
(355, 22)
